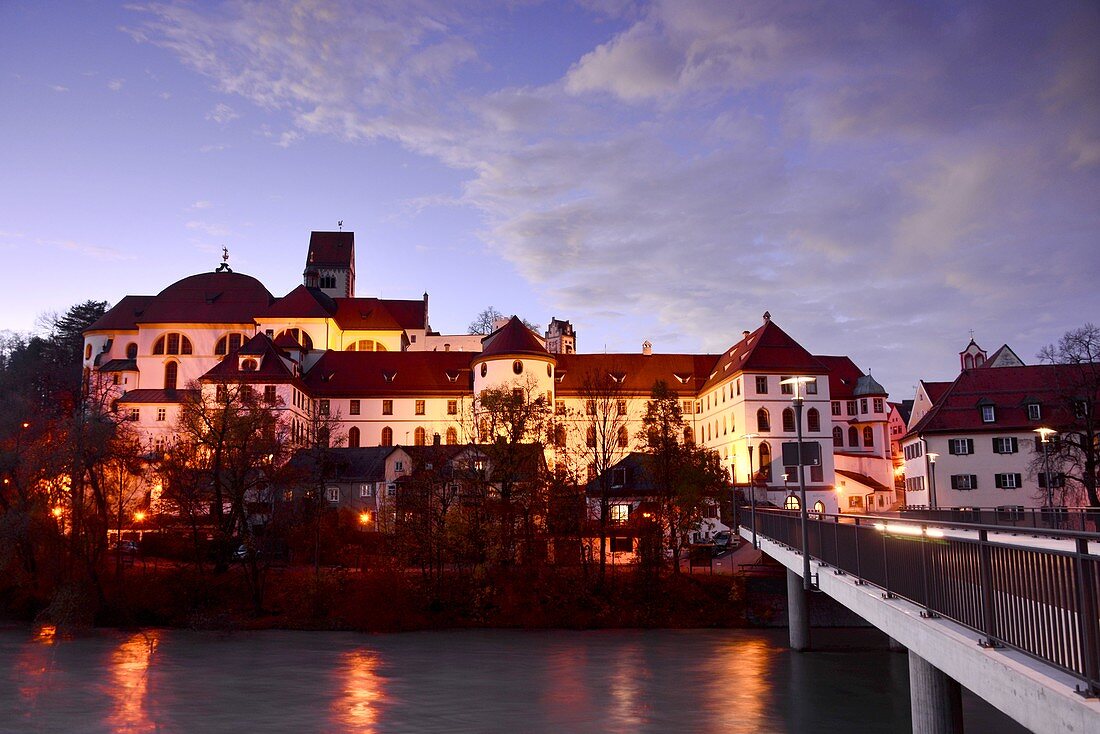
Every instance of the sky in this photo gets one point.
(882, 177)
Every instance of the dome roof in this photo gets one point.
(867, 385)
(214, 298)
(512, 339)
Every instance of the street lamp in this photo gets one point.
(1044, 435)
(932, 456)
(797, 401)
(752, 489)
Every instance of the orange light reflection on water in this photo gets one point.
(358, 708)
(129, 683)
(628, 678)
(740, 683)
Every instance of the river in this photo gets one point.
(457, 681)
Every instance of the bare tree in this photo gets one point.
(1076, 377)
(485, 322)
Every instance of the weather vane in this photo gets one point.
(340, 225)
(225, 254)
(224, 267)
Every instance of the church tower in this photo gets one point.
(973, 356)
(330, 263)
(560, 337)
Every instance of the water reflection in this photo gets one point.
(363, 692)
(129, 685)
(740, 683)
(627, 679)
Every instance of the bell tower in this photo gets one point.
(330, 263)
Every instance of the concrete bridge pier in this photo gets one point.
(934, 699)
(895, 646)
(798, 613)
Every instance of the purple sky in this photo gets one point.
(882, 177)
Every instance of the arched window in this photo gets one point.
(689, 436)
(813, 420)
(131, 351)
(624, 437)
(172, 343)
(387, 436)
(366, 345)
(968, 362)
(353, 437)
(249, 365)
(791, 503)
(853, 437)
(517, 367)
(838, 436)
(765, 462)
(868, 436)
(788, 420)
(483, 429)
(228, 343)
(452, 437)
(322, 436)
(88, 351)
(762, 423)
(484, 369)
(819, 507)
(171, 371)
(298, 335)
(419, 436)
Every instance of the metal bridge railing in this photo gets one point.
(1039, 595)
(1080, 519)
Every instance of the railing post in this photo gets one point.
(1086, 620)
(985, 570)
(821, 541)
(859, 569)
(925, 562)
(836, 547)
(886, 567)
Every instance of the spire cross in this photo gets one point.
(225, 254)
(340, 225)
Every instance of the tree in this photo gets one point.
(1076, 379)
(606, 441)
(485, 322)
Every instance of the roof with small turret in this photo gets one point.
(514, 338)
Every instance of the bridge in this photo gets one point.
(1010, 613)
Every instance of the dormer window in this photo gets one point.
(618, 477)
(249, 365)
(389, 376)
(1034, 412)
(988, 414)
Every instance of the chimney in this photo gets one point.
(647, 348)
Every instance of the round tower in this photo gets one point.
(513, 357)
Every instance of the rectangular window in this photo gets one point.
(354, 407)
(270, 395)
(387, 407)
(1005, 445)
(879, 407)
(1009, 481)
(452, 407)
(173, 343)
(811, 387)
(687, 407)
(333, 494)
(863, 405)
(162, 413)
(817, 473)
(420, 407)
(399, 466)
(964, 481)
(698, 406)
(622, 545)
(1057, 480)
(620, 513)
(761, 385)
(1034, 412)
(854, 502)
(836, 407)
(221, 394)
(135, 414)
(323, 407)
(559, 407)
(785, 389)
(852, 407)
(366, 490)
(391, 489)
(590, 407)
(960, 446)
(620, 406)
(988, 414)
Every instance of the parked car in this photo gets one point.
(126, 547)
(723, 541)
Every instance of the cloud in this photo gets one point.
(115, 85)
(209, 229)
(222, 113)
(881, 178)
(95, 252)
(203, 204)
(59, 88)
(213, 147)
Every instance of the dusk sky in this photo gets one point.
(881, 177)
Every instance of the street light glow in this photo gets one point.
(932, 456)
(139, 516)
(1045, 433)
(56, 512)
(364, 518)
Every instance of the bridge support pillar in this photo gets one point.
(895, 646)
(934, 699)
(798, 613)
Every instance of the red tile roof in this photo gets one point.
(512, 338)
(638, 372)
(863, 479)
(209, 298)
(935, 390)
(390, 373)
(1009, 390)
(301, 303)
(768, 349)
(331, 248)
(271, 367)
(123, 316)
(157, 396)
(843, 375)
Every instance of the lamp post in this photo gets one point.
(932, 456)
(752, 489)
(1044, 435)
(797, 401)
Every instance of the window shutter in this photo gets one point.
(951, 447)
(969, 445)
(1015, 445)
(996, 445)
(998, 481)
(954, 481)
(973, 481)
(1019, 480)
